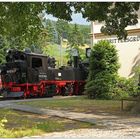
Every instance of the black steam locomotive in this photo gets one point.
(26, 74)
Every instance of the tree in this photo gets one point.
(63, 29)
(116, 15)
(75, 40)
(85, 30)
(20, 20)
(102, 71)
(75, 37)
(49, 32)
(21, 25)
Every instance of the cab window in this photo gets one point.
(36, 62)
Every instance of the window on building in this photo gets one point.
(36, 62)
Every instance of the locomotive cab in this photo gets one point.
(24, 73)
(37, 68)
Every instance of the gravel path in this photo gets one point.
(94, 133)
(116, 128)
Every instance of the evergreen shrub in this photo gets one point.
(103, 71)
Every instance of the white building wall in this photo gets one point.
(128, 51)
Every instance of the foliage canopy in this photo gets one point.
(116, 15)
(20, 20)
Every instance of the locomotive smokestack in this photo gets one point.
(75, 59)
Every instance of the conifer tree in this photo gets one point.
(102, 71)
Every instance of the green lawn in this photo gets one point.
(79, 104)
(20, 124)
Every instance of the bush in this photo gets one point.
(3, 131)
(135, 108)
(102, 71)
(125, 88)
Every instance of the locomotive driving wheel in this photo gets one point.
(50, 90)
(67, 90)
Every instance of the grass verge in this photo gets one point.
(79, 104)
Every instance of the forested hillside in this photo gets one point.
(67, 30)
(54, 34)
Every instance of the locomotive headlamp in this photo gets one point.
(7, 51)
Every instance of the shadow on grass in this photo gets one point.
(21, 124)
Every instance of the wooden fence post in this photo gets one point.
(122, 105)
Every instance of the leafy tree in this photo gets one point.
(20, 20)
(102, 71)
(116, 15)
(21, 26)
